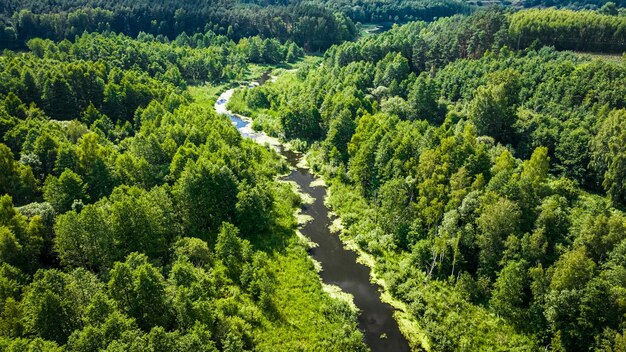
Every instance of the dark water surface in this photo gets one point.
(339, 265)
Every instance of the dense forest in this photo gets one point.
(366, 11)
(134, 219)
(312, 27)
(482, 172)
(313, 24)
(475, 158)
(577, 4)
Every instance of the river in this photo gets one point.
(339, 265)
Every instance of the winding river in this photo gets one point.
(339, 265)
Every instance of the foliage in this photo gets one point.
(469, 172)
(133, 218)
(309, 25)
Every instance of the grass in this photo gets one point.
(205, 95)
(303, 305)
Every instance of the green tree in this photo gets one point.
(609, 155)
(91, 115)
(301, 123)
(231, 250)
(48, 312)
(16, 179)
(10, 248)
(509, 296)
(255, 210)
(497, 221)
(85, 239)
(572, 271)
(22, 238)
(493, 108)
(194, 249)
(142, 221)
(62, 192)
(536, 168)
(139, 290)
(46, 148)
(609, 8)
(58, 98)
(94, 167)
(423, 98)
(67, 158)
(207, 195)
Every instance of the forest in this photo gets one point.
(483, 173)
(134, 219)
(311, 26)
(475, 159)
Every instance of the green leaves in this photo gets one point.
(139, 290)
(62, 192)
(609, 155)
(207, 194)
(231, 250)
(493, 111)
(16, 179)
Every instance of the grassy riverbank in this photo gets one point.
(409, 326)
(307, 315)
(206, 94)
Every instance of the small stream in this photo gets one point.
(339, 265)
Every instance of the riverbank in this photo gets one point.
(408, 325)
(339, 266)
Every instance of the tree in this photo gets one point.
(46, 148)
(509, 296)
(91, 115)
(396, 210)
(58, 98)
(301, 123)
(609, 9)
(497, 221)
(10, 249)
(62, 192)
(85, 239)
(256, 98)
(22, 238)
(15, 179)
(12, 282)
(67, 158)
(14, 106)
(255, 210)
(193, 249)
(231, 250)
(340, 131)
(114, 328)
(572, 270)
(493, 107)
(94, 168)
(397, 106)
(392, 68)
(423, 99)
(142, 221)
(609, 155)
(600, 233)
(139, 290)
(536, 168)
(207, 194)
(48, 311)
